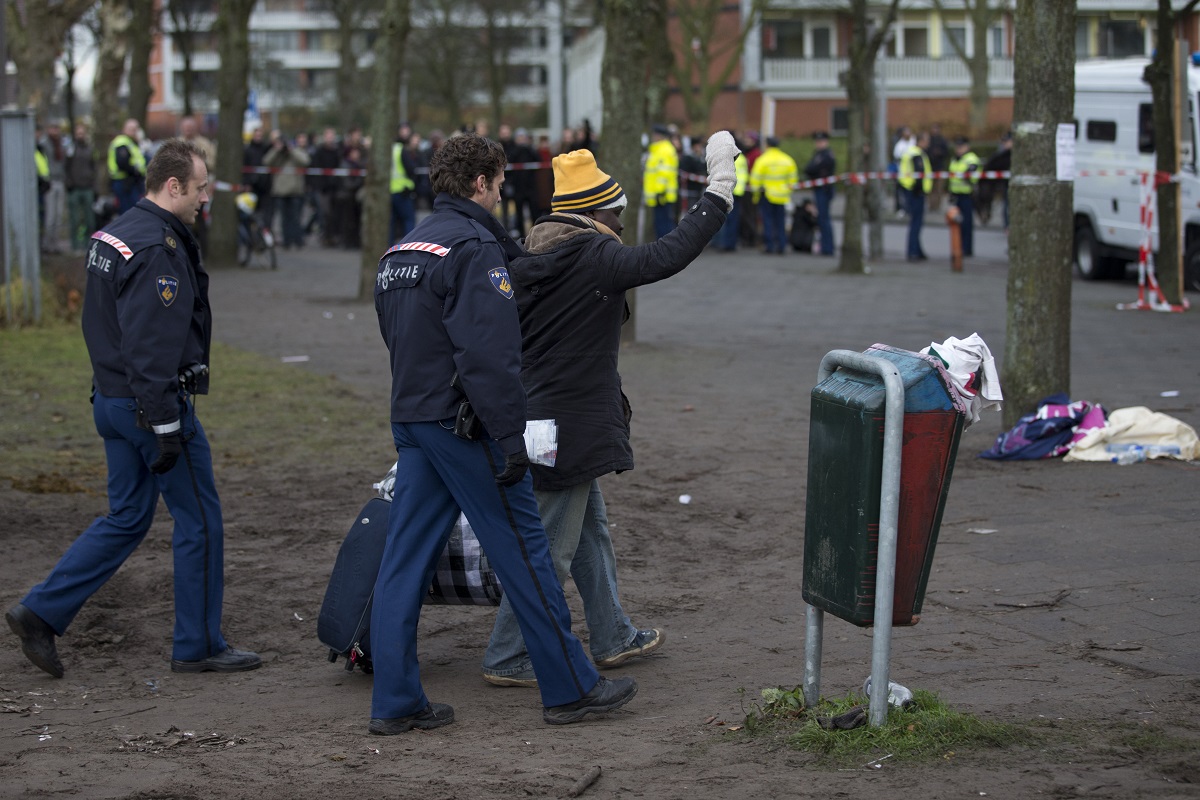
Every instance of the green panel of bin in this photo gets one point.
(845, 469)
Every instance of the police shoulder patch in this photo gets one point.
(168, 289)
(499, 279)
(170, 241)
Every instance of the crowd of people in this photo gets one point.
(309, 187)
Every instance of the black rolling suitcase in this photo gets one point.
(345, 619)
(463, 577)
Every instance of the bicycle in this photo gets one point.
(256, 243)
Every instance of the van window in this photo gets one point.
(1099, 130)
(1145, 128)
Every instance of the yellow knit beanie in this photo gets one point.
(579, 185)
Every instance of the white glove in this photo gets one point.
(720, 154)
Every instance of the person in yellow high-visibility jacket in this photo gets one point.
(660, 181)
(916, 178)
(772, 179)
(727, 237)
(42, 166)
(127, 167)
(967, 166)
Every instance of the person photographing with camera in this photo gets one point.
(147, 324)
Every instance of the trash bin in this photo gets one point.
(845, 467)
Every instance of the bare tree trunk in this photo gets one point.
(144, 25)
(347, 69)
(658, 57)
(114, 19)
(978, 67)
(859, 81)
(1037, 351)
(35, 34)
(232, 31)
(394, 26)
(1161, 74)
(623, 78)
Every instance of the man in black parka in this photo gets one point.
(570, 294)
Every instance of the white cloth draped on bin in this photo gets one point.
(972, 371)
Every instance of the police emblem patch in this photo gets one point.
(171, 242)
(499, 278)
(168, 289)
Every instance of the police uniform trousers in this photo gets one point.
(133, 491)
(966, 208)
(437, 474)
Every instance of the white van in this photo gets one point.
(1115, 135)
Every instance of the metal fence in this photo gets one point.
(19, 244)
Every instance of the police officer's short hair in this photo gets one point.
(173, 159)
(463, 158)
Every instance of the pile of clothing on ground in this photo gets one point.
(1084, 431)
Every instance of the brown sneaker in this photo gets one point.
(644, 643)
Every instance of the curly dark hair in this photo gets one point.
(173, 159)
(461, 160)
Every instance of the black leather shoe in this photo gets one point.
(37, 639)
(434, 715)
(228, 660)
(606, 695)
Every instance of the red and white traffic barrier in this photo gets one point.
(1153, 299)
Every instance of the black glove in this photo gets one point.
(515, 467)
(170, 446)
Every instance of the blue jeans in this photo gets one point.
(133, 491)
(404, 215)
(824, 197)
(774, 222)
(580, 546)
(127, 191)
(664, 219)
(289, 211)
(727, 237)
(966, 207)
(916, 218)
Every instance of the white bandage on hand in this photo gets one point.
(719, 156)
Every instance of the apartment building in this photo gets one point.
(294, 57)
(788, 79)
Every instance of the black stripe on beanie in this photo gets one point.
(597, 196)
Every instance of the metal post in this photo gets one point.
(813, 634)
(889, 512)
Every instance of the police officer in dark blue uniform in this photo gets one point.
(447, 314)
(147, 325)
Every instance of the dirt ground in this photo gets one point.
(719, 379)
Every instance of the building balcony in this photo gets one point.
(913, 77)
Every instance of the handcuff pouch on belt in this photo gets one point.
(466, 424)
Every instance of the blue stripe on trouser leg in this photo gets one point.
(437, 474)
(133, 495)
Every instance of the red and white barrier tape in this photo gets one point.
(1147, 277)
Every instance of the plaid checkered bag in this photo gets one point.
(463, 576)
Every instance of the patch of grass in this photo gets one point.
(928, 729)
(259, 413)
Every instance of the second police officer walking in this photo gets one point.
(147, 325)
(447, 314)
